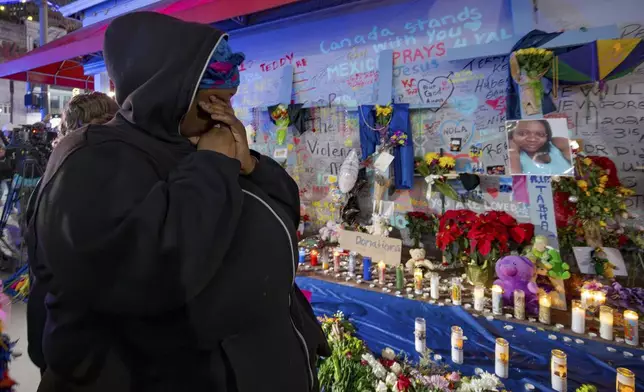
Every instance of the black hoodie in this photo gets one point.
(167, 270)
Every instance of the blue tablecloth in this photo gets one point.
(387, 321)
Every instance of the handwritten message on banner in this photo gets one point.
(542, 211)
(378, 248)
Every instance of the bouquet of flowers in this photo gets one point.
(494, 234)
(451, 237)
(383, 115)
(527, 67)
(534, 62)
(398, 139)
(281, 118)
(434, 168)
(420, 223)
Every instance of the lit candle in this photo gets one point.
(420, 333)
(435, 282)
(400, 277)
(606, 322)
(497, 300)
(336, 261)
(599, 298)
(587, 298)
(352, 264)
(558, 371)
(625, 380)
(519, 304)
(381, 272)
(502, 358)
(544, 309)
(578, 317)
(314, 258)
(418, 281)
(479, 298)
(302, 255)
(366, 268)
(456, 291)
(631, 328)
(457, 345)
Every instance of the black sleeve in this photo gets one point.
(125, 242)
(278, 184)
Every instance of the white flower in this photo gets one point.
(368, 358)
(381, 387)
(388, 354)
(396, 368)
(391, 379)
(379, 371)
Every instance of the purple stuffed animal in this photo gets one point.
(518, 273)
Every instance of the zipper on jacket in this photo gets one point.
(290, 243)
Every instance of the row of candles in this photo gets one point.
(589, 299)
(625, 379)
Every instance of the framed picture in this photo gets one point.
(539, 147)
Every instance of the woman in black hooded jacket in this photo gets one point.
(169, 266)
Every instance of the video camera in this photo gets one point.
(29, 143)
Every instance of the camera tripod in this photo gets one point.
(22, 186)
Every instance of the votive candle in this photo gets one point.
(544, 309)
(336, 261)
(606, 322)
(434, 285)
(457, 345)
(479, 298)
(325, 259)
(625, 380)
(578, 317)
(302, 256)
(502, 358)
(382, 267)
(352, 264)
(400, 277)
(420, 334)
(418, 281)
(457, 291)
(366, 268)
(519, 304)
(497, 300)
(587, 298)
(599, 298)
(631, 328)
(314, 257)
(558, 371)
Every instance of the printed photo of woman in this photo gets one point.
(539, 147)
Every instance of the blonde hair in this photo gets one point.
(84, 109)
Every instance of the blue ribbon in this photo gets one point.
(403, 155)
(369, 138)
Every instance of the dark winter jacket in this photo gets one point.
(166, 269)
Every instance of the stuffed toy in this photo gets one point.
(418, 260)
(518, 273)
(330, 233)
(379, 226)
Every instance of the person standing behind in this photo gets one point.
(82, 110)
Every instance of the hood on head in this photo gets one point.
(156, 63)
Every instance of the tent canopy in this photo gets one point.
(59, 62)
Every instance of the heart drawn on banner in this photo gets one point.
(296, 140)
(436, 92)
(493, 192)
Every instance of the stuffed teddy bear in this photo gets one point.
(417, 260)
(518, 273)
(379, 226)
(330, 233)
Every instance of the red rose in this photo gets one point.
(622, 240)
(564, 210)
(609, 167)
(403, 383)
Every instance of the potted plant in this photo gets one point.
(493, 234)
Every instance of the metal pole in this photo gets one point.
(43, 17)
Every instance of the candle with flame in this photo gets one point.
(314, 257)
(606, 322)
(382, 267)
(544, 309)
(519, 304)
(631, 328)
(502, 358)
(434, 288)
(479, 298)
(497, 300)
(418, 281)
(559, 371)
(578, 317)
(625, 380)
(457, 345)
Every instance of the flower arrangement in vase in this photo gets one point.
(592, 204)
(527, 67)
(434, 168)
(494, 234)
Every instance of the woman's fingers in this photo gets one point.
(222, 103)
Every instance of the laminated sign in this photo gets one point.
(378, 248)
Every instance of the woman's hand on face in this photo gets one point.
(222, 112)
(219, 139)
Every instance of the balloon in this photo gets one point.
(349, 172)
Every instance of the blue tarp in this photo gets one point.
(384, 320)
